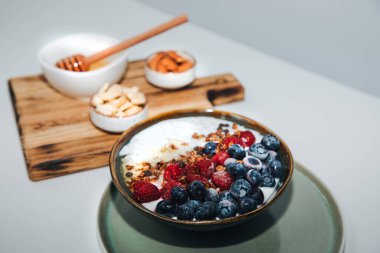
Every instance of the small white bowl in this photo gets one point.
(116, 124)
(171, 80)
(81, 84)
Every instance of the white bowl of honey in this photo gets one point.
(81, 84)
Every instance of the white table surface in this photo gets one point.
(331, 129)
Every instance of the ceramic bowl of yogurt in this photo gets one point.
(142, 150)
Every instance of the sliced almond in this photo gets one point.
(113, 92)
(104, 88)
(96, 100)
(119, 101)
(120, 114)
(107, 109)
(138, 99)
(130, 91)
(125, 106)
(132, 110)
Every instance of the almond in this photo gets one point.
(119, 101)
(130, 91)
(116, 100)
(185, 66)
(104, 88)
(96, 100)
(169, 64)
(125, 106)
(161, 68)
(106, 109)
(176, 57)
(113, 92)
(153, 62)
(132, 110)
(138, 99)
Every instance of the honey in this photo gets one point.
(97, 65)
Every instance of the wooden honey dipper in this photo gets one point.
(80, 63)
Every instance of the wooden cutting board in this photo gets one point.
(58, 137)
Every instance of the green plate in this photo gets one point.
(304, 219)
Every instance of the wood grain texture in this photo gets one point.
(58, 137)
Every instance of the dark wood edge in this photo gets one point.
(20, 133)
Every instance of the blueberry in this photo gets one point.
(185, 212)
(194, 203)
(197, 190)
(236, 151)
(226, 209)
(252, 162)
(230, 165)
(257, 195)
(240, 189)
(226, 195)
(272, 155)
(210, 148)
(165, 208)
(259, 151)
(246, 205)
(179, 195)
(212, 195)
(268, 180)
(265, 170)
(254, 178)
(276, 168)
(229, 161)
(207, 211)
(237, 170)
(270, 142)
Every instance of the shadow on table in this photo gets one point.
(208, 239)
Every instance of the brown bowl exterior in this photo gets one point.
(117, 176)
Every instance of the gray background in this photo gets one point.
(338, 39)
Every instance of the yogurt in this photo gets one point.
(155, 144)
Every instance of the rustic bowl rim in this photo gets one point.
(128, 134)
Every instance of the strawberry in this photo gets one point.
(247, 137)
(144, 191)
(227, 142)
(167, 188)
(222, 179)
(220, 157)
(205, 167)
(173, 171)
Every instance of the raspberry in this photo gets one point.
(222, 179)
(167, 188)
(191, 169)
(247, 137)
(144, 191)
(173, 171)
(205, 167)
(194, 177)
(220, 157)
(227, 142)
